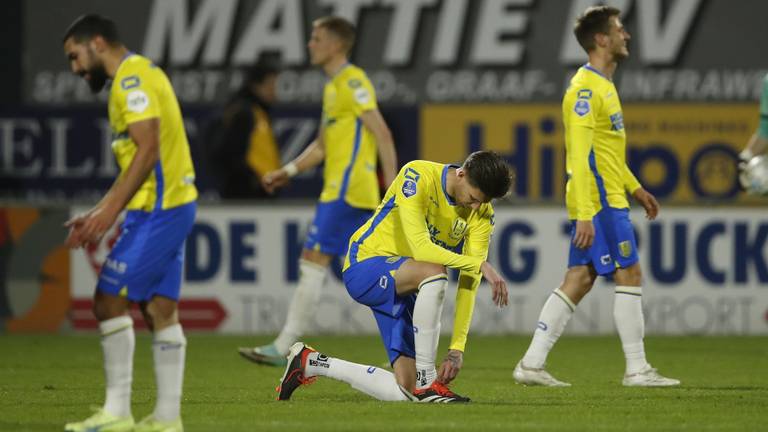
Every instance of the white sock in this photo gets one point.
(169, 349)
(426, 327)
(373, 381)
(553, 318)
(302, 306)
(628, 316)
(117, 342)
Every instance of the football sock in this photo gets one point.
(117, 342)
(554, 316)
(302, 306)
(426, 327)
(169, 349)
(628, 316)
(373, 381)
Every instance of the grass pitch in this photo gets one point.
(46, 381)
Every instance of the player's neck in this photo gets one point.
(603, 63)
(450, 183)
(334, 65)
(113, 58)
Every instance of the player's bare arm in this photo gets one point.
(373, 120)
(312, 156)
(498, 285)
(90, 227)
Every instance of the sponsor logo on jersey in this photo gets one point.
(584, 94)
(362, 96)
(130, 82)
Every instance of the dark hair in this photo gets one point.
(490, 173)
(257, 73)
(594, 20)
(86, 27)
(340, 27)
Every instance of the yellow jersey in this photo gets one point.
(140, 91)
(418, 219)
(595, 146)
(350, 148)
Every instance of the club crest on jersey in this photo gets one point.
(582, 107)
(625, 248)
(458, 229)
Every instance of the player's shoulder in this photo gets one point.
(135, 71)
(422, 168)
(353, 78)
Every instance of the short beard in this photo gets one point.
(98, 78)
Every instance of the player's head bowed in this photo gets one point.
(490, 173)
(84, 42)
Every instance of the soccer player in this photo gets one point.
(351, 131)
(603, 242)
(156, 188)
(429, 213)
(758, 143)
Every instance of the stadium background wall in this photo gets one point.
(451, 76)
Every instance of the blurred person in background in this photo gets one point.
(758, 143)
(239, 142)
(602, 238)
(352, 132)
(156, 187)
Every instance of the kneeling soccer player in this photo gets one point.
(429, 211)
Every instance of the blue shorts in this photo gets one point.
(614, 244)
(372, 282)
(334, 224)
(148, 257)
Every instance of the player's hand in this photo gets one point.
(585, 234)
(649, 203)
(75, 224)
(741, 169)
(450, 366)
(96, 224)
(498, 285)
(274, 180)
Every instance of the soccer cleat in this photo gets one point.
(438, 393)
(536, 377)
(648, 377)
(151, 424)
(294, 371)
(101, 421)
(265, 354)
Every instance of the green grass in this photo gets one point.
(46, 381)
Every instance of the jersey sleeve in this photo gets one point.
(360, 93)
(631, 184)
(763, 128)
(136, 97)
(411, 198)
(581, 130)
(476, 244)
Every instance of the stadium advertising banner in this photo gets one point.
(681, 153)
(56, 154)
(415, 50)
(703, 274)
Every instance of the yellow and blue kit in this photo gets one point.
(147, 258)
(417, 219)
(350, 184)
(598, 175)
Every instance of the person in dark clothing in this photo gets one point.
(239, 143)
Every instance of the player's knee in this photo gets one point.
(630, 276)
(429, 270)
(161, 314)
